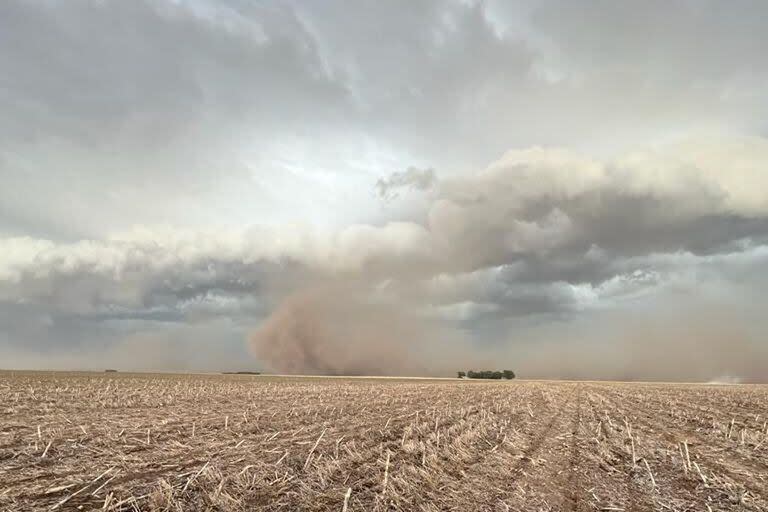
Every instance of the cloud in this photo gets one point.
(544, 233)
(683, 338)
(338, 329)
(539, 202)
(545, 209)
(412, 178)
(212, 347)
(197, 162)
(207, 112)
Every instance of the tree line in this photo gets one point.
(487, 374)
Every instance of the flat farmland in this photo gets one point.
(114, 441)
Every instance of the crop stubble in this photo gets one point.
(84, 441)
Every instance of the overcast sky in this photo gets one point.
(566, 188)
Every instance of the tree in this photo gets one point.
(488, 374)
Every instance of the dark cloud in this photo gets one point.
(174, 170)
(412, 178)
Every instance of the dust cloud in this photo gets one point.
(686, 343)
(554, 264)
(339, 330)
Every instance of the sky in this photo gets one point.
(566, 189)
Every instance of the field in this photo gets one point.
(72, 441)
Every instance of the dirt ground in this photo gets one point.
(79, 441)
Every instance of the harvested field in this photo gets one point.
(114, 441)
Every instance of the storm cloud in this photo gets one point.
(385, 188)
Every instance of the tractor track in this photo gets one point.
(573, 488)
(535, 446)
(635, 499)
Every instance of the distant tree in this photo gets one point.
(488, 374)
(461, 375)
